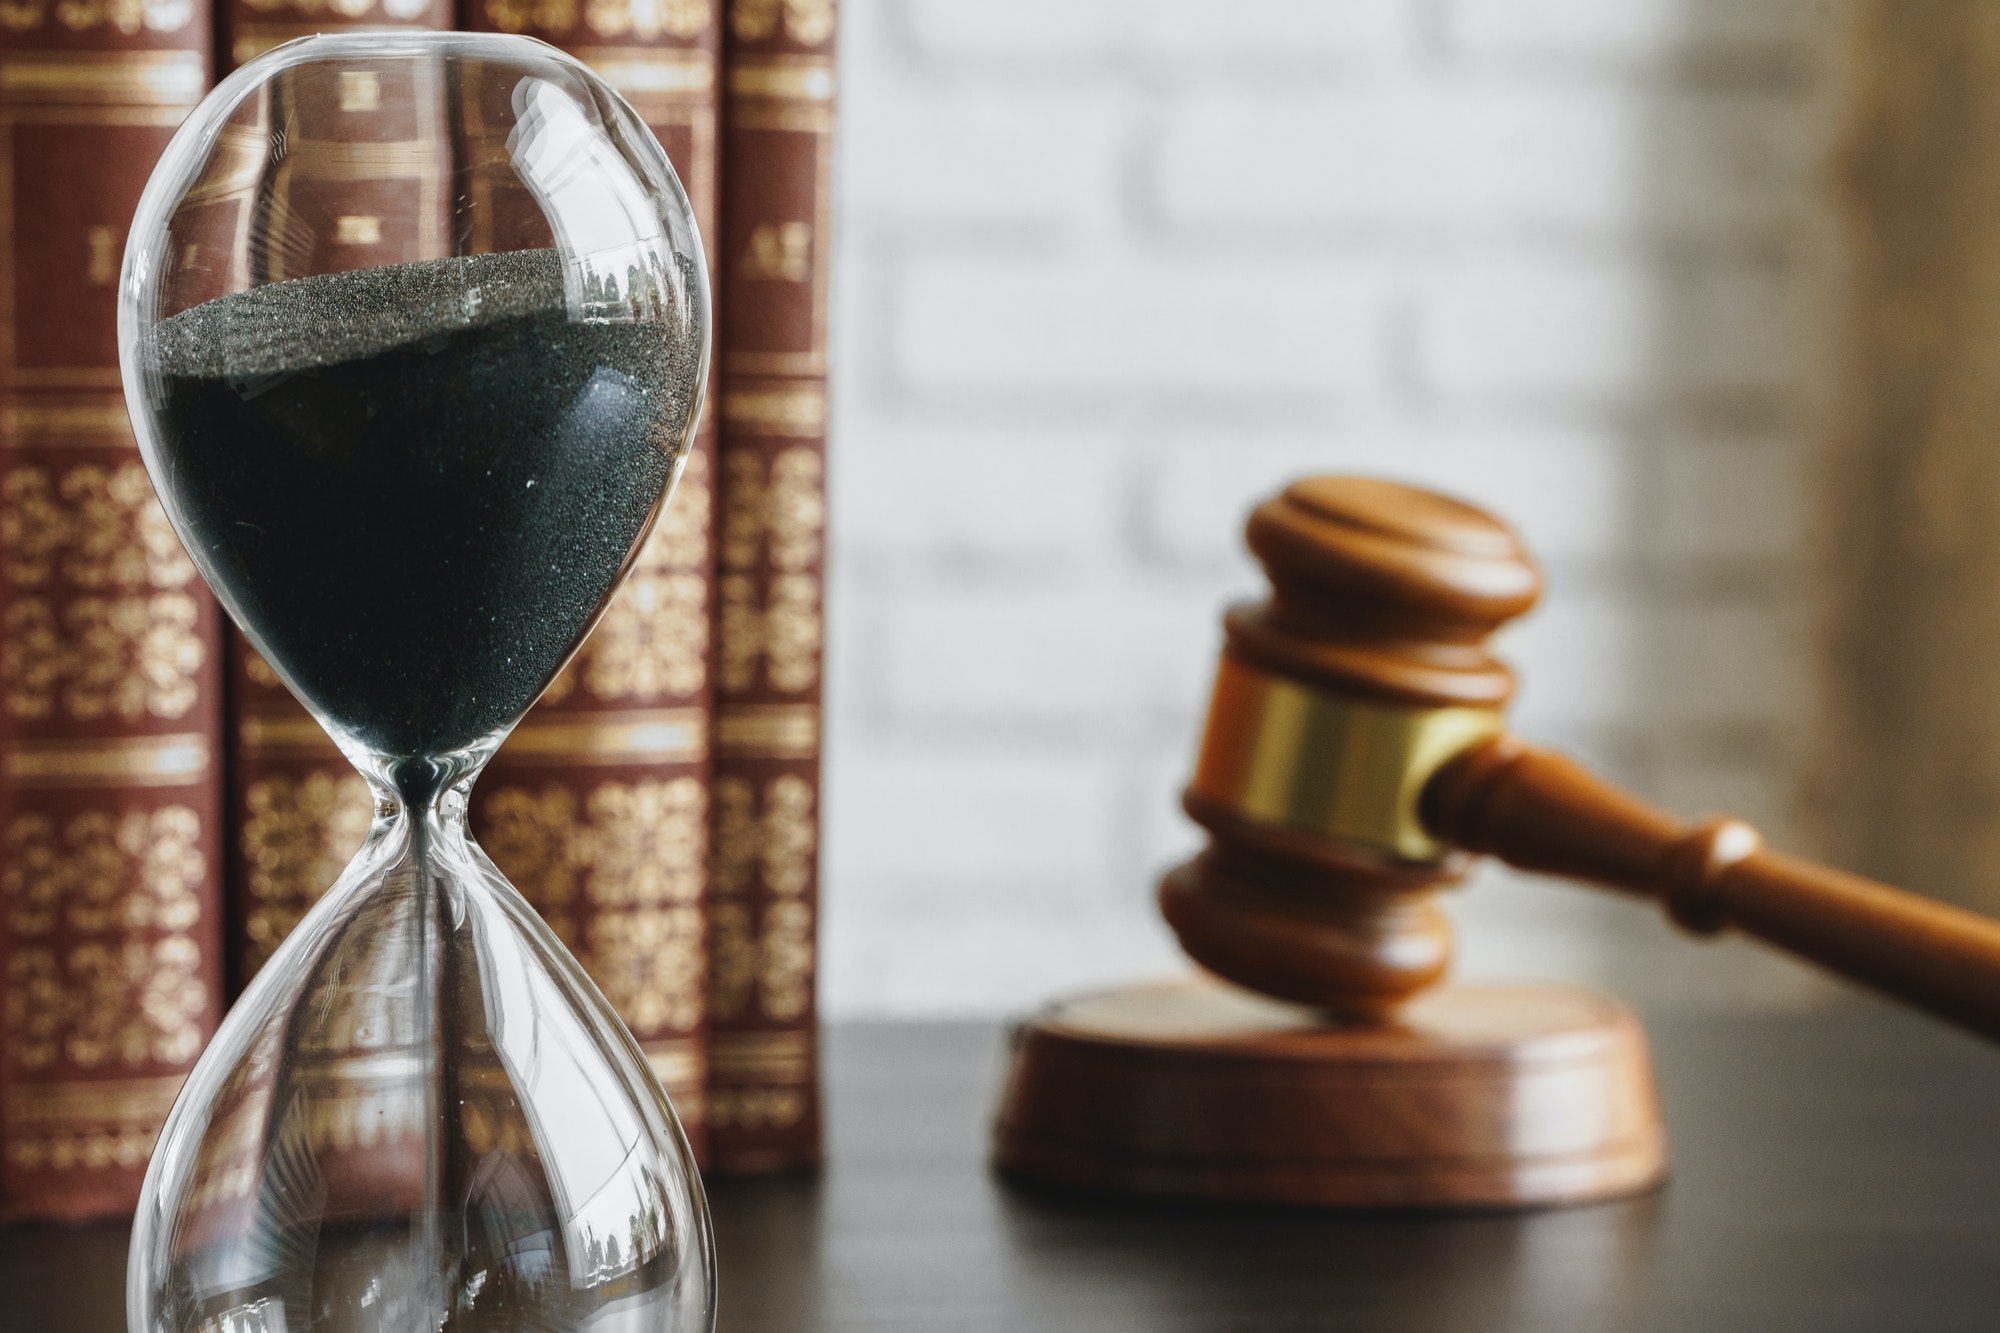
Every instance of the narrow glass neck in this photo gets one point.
(423, 789)
(425, 783)
(421, 813)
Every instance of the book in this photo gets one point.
(597, 807)
(111, 940)
(771, 252)
(247, 29)
(298, 810)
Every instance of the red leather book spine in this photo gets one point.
(249, 28)
(297, 809)
(772, 252)
(598, 806)
(110, 649)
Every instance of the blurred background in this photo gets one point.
(1110, 271)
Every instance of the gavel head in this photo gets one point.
(1338, 697)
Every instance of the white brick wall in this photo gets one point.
(1109, 271)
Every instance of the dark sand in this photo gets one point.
(418, 483)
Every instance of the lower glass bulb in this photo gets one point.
(421, 1117)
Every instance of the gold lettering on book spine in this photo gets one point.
(80, 422)
(297, 835)
(127, 16)
(101, 526)
(92, 1102)
(101, 270)
(138, 871)
(807, 82)
(531, 836)
(807, 22)
(61, 79)
(649, 963)
(125, 656)
(98, 528)
(798, 409)
(768, 731)
(785, 959)
(732, 947)
(755, 1108)
(660, 77)
(676, 735)
(644, 20)
(781, 516)
(259, 671)
(94, 1125)
(296, 735)
(147, 761)
(81, 983)
(617, 880)
(349, 11)
(791, 95)
(779, 252)
(770, 960)
(89, 1150)
(677, 1063)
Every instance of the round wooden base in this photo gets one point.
(1476, 1096)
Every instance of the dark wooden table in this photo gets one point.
(1833, 1171)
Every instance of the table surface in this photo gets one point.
(1836, 1170)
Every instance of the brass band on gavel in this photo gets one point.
(1284, 754)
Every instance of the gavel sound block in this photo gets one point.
(1354, 758)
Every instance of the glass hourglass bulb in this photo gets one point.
(414, 329)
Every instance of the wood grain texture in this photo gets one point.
(1308, 893)
(1369, 571)
(1476, 1096)
(1382, 592)
(1340, 1089)
(1540, 811)
(1351, 939)
(1833, 1171)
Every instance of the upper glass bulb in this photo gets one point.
(414, 329)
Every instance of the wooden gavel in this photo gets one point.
(1355, 753)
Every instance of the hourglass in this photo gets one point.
(414, 330)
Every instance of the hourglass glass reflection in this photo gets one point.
(414, 330)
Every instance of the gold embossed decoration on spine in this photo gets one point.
(598, 806)
(299, 810)
(110, 691)
(772, 252)
(252, 27)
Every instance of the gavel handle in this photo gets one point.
(1539, 811)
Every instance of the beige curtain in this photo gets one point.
(1906, 766)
